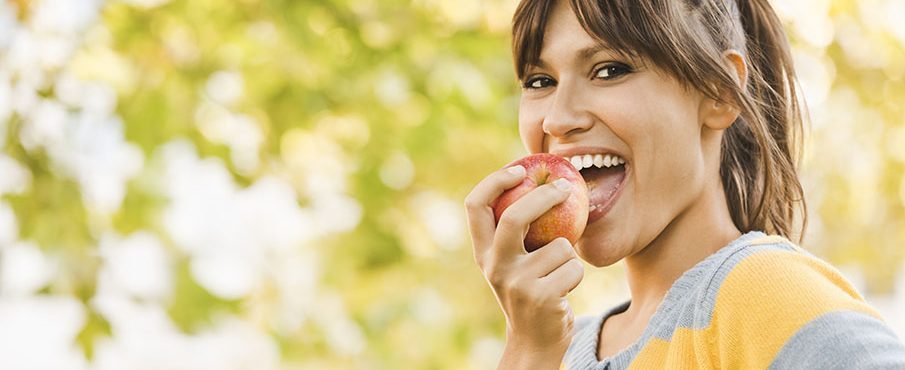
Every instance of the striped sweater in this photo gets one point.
(760, 302)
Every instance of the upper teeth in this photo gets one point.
(596, 160)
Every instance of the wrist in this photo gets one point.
(518, 355)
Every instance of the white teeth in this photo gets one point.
(597, 160)
(577, 162)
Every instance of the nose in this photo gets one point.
(567, 115)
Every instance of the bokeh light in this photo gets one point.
(274, 184)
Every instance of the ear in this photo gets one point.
(718, 115)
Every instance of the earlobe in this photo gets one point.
(719, 115)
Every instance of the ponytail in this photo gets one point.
(761, 150)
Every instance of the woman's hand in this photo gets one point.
(530, 287)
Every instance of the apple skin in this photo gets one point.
(567, 219)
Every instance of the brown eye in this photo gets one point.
(612, 71)
(538, 82)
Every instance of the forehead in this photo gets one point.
(562, 19)
(564, 36)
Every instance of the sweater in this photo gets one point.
(759, 302)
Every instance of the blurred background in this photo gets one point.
(277, 184)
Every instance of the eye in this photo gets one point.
(538, 82)
(612, 71)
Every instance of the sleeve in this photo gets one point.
(842, 340)
(785, 309)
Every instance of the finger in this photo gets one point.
(564, 278)
(543, 261)
(514, 221)
(479, 213)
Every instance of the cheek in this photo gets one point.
(666, 134)
(665, 143)
(673, 167)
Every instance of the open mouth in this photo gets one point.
(604, 175)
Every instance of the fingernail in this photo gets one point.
(563, 184)
(516, 170)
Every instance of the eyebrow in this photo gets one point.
(593, 50)
(584, 53)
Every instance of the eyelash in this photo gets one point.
(621, 69)
(544, 80)
(615, 70)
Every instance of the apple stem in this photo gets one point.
(545, 174)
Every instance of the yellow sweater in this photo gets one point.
(760, 302)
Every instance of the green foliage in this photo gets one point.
(408, 105)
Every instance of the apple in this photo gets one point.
(567, 219)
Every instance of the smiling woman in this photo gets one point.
(697, 102)
(275, 184)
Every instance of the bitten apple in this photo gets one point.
(567, 219)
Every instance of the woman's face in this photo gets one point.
(585, 100)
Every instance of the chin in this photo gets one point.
(606, 241)
(597, 252)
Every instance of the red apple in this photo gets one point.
(567, 219)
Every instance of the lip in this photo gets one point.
(601, 211)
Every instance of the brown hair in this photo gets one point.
(687, 38)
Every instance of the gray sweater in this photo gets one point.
(760, 302)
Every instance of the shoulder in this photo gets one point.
(761, 275)
(794, 303)
(781, 278)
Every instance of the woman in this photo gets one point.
(698, 99)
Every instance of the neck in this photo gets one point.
(699, 231)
